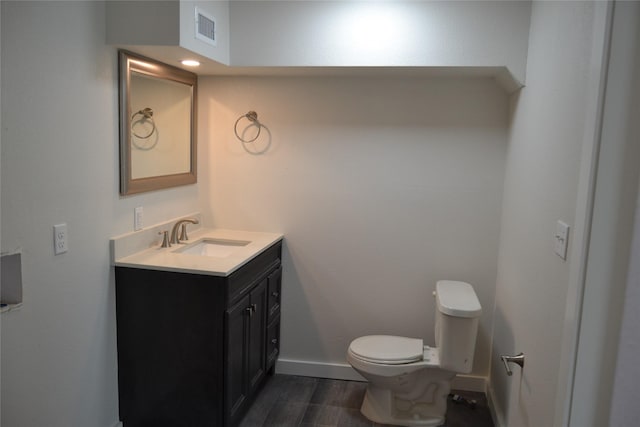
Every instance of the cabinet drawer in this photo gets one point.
(273, 342)
(275, 285)
(241, 281)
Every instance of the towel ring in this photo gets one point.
(252, 116)
(147, 114)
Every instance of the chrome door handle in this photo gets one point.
(518, 359)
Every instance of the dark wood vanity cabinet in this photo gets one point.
(194, 350)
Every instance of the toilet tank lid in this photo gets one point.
(457, 299)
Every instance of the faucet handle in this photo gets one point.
(165, 239)
(181, 222)
(183, 232)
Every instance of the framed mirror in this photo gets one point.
(157, 125)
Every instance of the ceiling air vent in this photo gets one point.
(205, 27)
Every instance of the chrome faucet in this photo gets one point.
(183, 236)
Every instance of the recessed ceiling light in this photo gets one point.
(190, 62)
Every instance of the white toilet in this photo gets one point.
(408, 381)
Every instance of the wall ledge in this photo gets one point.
(208, 67)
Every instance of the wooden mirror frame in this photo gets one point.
(130, 62)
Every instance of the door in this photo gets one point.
(256, 335)
(245, 350)
(236, 389)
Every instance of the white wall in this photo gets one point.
(60, 164)
(549, 131)
(370, 33)
(624, 398)
(381, 186)
(150, 22)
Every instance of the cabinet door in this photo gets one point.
(275, 284)
(257, 335)
(236, 384)
(273, 343)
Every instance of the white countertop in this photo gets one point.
(168, 259)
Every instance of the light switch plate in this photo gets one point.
(138, 218)
(561, 239)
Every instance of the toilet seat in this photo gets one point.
(387, 349)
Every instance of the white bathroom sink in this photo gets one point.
(217, 248)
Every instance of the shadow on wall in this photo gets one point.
(500, 382)
(296, 306)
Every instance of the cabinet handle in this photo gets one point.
(251, 309)
(274, 341)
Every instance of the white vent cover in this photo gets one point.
(205, 27)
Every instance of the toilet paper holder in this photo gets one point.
(518, 359)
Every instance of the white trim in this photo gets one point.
(343, 371)
(469, 383)
(118, 424)
(306, 368)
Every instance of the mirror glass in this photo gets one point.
(157, 125)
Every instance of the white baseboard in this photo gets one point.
(469, 383)
(496, 413)
(340, 371)
(305, 368)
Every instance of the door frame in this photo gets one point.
(605, 210)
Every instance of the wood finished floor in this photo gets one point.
(292, 401)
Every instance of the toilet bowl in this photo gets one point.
(408, 382)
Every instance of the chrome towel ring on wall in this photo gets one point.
(147, 115)
(252, 116)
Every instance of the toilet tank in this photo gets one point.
(457, 314)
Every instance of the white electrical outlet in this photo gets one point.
(138, 218)
(60, 239)
(561, 240)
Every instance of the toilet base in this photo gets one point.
(381, 406)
